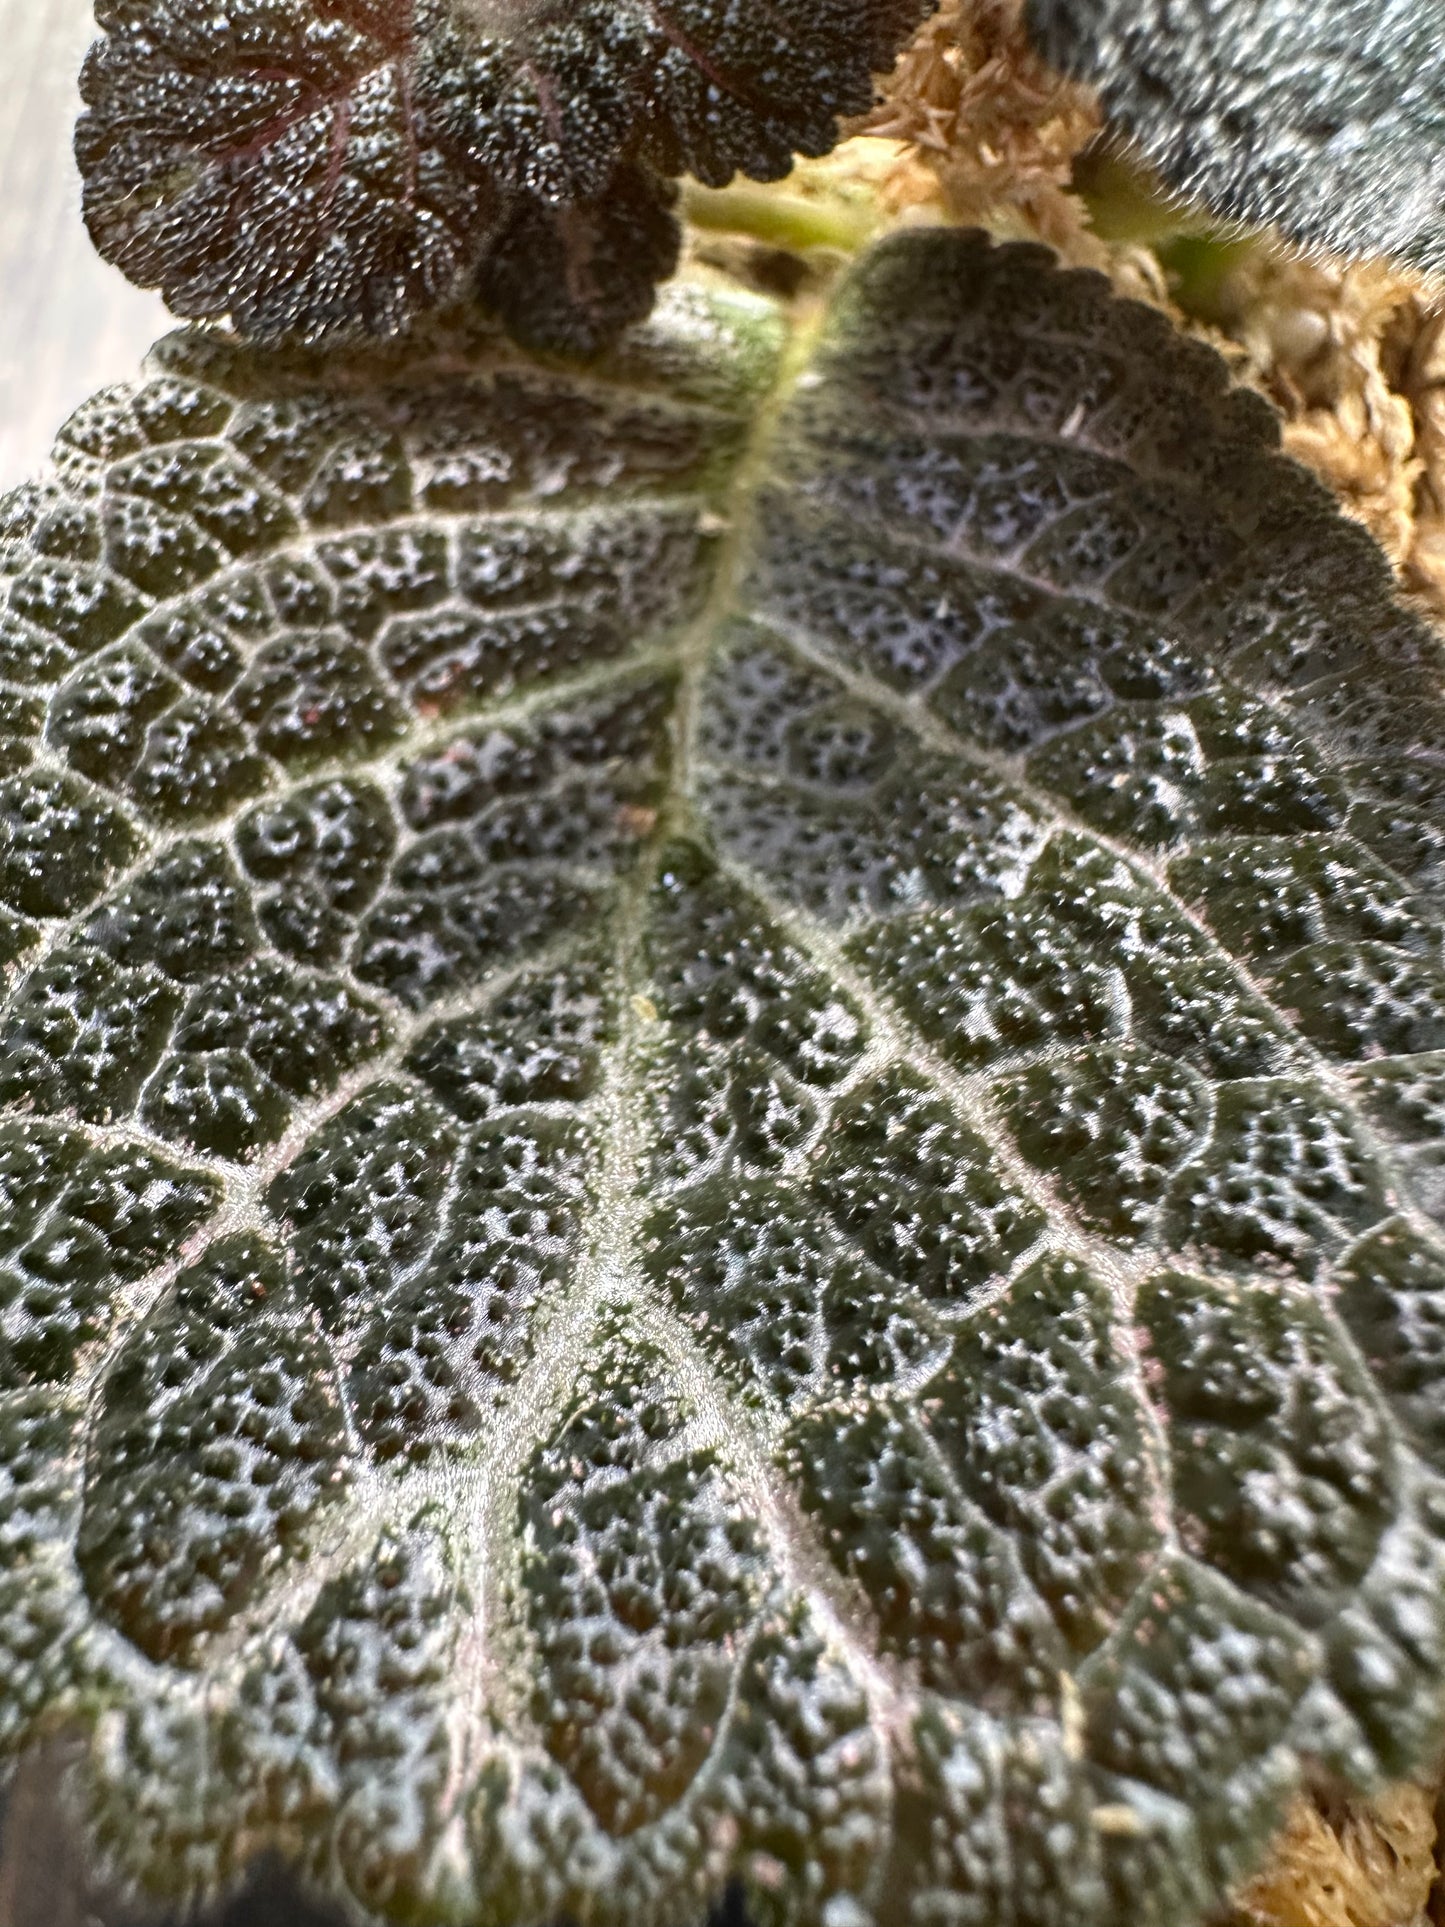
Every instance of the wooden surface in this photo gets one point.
(68, 323)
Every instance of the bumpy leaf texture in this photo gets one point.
(1326, 117)
(310, 167)
(724, 1136)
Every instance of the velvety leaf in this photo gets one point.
(569, 277)
(724, 1106)
(1327, 118)
(311, 167)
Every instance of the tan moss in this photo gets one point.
(999, 130)
(1365, 1864)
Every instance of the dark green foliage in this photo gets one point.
(745, 1191)
(1327, 117)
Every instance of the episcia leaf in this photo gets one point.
(1327, 118)
(315, 167)
(725, 1118)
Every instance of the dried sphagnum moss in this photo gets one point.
(1364, 1864)
(1352, 355)
(996, 129)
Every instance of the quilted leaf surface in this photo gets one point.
(724, 1118)
(1326, 117)
(336, 167)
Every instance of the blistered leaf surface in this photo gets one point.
(320, 166)
(724, 1149)
(1327, 118)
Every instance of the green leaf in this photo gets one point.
(1326, 118)
(725, 1135)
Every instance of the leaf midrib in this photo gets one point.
(610, 1272)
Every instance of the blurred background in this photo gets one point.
(68, 323)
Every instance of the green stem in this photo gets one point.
(781, 220)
